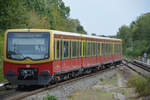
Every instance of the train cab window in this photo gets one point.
(57, 49)
(66, 49)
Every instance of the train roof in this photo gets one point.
(65, 33)
(83, 35)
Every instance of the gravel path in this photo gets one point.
(61, 92)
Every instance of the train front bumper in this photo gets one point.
(43, 79)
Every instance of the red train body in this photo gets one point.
(68, 55)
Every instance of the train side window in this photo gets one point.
(57, 49)
(89, 49)
(74, 49)
(114, 48)
(80, 43)
(84, 49)
(121, 48)
(78, 49)
(54, 49)
(98, 49)
(66, 49)
(102, 48)
(106, 49)
(111, 49)
(94, 48)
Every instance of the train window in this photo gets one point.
(94, 49)
(66, 49)
(54, 50)
(84, 48)
(98, 49)
(111, 48)
(74, 49)
(116, 49)
(57, 49)
(119, 48)
(89, 49)
(80, 49)
(106, 49)
(102, 48)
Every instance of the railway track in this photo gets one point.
(136, 63)
(4, 84)
(23, 94)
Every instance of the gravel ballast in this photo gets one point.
(61, 92)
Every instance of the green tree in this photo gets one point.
(136, 36)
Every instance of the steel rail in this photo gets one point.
(4, 84)
(126, 63)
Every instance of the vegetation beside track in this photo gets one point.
(47, 14)
(1, 60)
(141, 85)
(50, 97)
(136, 36)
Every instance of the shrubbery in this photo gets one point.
(50, 97)
(141, 85)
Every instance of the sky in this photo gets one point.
(105, 17)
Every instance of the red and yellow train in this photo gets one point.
(40, 56)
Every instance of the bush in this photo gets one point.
(141, 85)
(49, 97)
(101, 79)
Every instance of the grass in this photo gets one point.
(50, 97)
(141, 85)
(112, 81)
(120, 90)
(70, 97)
(2, 79)
(91, 94)
(101, 79)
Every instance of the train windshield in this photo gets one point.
(33, 45)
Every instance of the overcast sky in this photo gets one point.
(104, 17)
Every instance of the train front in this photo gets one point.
(28, 57)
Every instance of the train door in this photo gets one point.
(65, 55)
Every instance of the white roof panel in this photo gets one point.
(83, 35)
